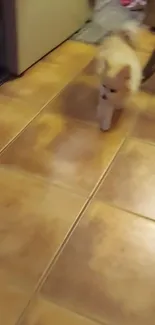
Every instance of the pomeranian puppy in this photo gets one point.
(119, 71)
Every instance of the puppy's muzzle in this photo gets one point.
(104, 97)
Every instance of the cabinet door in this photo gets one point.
(39, 26)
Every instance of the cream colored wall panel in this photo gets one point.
(38, 26)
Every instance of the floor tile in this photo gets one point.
(21, 99)
(144, 45)
(34, 220)
(79, 100)
(131, 181)
(143, 57)
(12, 301)
(45, 79)
(149, 86)
(65, 151)
(14, 116)
(43, 312)
(145, 40)
(144, 127)
(107, 269)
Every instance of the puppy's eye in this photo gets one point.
(113, 90)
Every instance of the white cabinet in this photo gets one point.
(35, 27)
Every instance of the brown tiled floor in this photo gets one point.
(77, 211)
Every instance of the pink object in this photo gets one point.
(136, 4)
(133, 4)
(125, 2)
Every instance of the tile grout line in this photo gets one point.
(83, 195)
(115, 206)
(105, 173)
(60, 186)
(52, 262)
(71, 231)
(54, 259)
(128, 137)
(85, 206)
(67, 237)
(94, 191)
(84, 123)
(43, 179)
(77, 313)
(147, 142)
(44, 106)
(88, 200)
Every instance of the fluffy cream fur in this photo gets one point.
(119, 71)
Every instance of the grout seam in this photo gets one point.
(81, 314)
(13, 139)
(143, 141)
(58, 252)
(115, 206)
(84, 207)
(54, 259)
(88, 201)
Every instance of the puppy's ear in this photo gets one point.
(125, 73)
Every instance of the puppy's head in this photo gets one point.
(114, 81)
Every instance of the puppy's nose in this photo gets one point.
(104, 96)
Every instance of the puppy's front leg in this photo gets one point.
(105, 113)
